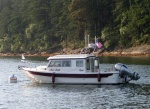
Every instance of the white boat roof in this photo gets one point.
(70, 56)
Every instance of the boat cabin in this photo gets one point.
(76, 63)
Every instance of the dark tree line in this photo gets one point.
(49, 25)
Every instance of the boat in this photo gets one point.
(83, 68)
(78, 69)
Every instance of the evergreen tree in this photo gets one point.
(50, 25)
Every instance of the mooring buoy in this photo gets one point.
(12, 79)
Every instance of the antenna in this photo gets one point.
(87, 40)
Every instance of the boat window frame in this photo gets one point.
(80, 64)
(55, 63)
(60, 63)
(66, 63)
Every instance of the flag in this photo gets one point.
(98, 44)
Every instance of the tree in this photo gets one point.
(50, 25)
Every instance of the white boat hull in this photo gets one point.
(104, 78)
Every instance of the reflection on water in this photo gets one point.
(126, 60)
(27, 95)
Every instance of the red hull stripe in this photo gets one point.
(71, 75)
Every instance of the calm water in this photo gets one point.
(27, 95)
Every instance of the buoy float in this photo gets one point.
(12, 79)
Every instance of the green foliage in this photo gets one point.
(16, 45)
(47, 25)
(5, 44)
(110, 38)
(133, 22)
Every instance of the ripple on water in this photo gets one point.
(27, 95)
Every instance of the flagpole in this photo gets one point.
(95, 39)
(88, 39)
(85, 40)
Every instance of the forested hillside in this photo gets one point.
(49, 25)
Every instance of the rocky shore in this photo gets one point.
(134, 51)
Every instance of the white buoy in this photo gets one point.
(12, 79)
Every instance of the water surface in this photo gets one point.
(28, 95)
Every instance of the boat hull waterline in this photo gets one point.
(62, 78)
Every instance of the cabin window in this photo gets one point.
(55, 63)
(51, 64)
(79, 63)
(60, 63)
(66, 63)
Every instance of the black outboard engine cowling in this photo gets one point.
(124, 71)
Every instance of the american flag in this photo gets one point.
(98, 44)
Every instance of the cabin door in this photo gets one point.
(90, 64)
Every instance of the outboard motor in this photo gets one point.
(124, 71)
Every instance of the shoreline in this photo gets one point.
(143, 51)
(114, 53)
(131, 54)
